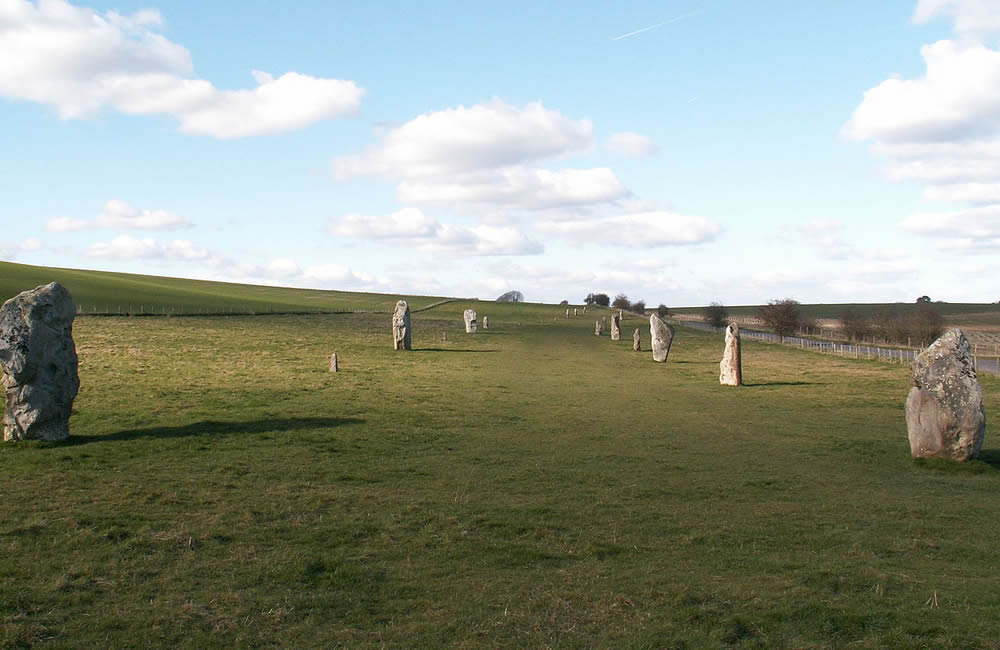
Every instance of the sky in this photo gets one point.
(677, 151)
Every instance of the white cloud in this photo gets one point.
(975, 229)
(411, 227)
(9, 251)
(825, 235)
(517, 187)
(121, 215)
(631, 145)
(972, 18)
(124, 247)
(463, 140)
(81, 62)
(641, 230)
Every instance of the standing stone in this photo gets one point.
(944, 410)
(598, 328)
(470, 321)
(731, 366)
(333, 363)
(575, 313)
(585, 310)
(567, 313)
(661, 336)
(616, 327)
(486, 322)
(401, 326)
(636, 345)
(38, 363)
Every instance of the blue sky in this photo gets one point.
(681, 151)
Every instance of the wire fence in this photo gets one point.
(982, 359)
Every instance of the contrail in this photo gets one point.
(665, 22)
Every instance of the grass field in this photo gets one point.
(531, 485)
(123, 293)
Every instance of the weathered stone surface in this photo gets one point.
(401, 326)
(486, 322)
(333, 363)
(616, 327)
(944, 410)
(598, 327)
(575, 312)
(38, 363)
(731, 366)
(567, 313)
(661, 336)
(636, 340)
(470, 321)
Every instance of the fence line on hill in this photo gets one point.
(140, 309)
(983, 363)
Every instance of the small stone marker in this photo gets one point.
(661, 336)
(616, 327)
(575, 313)
(333, 363)
(731, 366)
(598, 328)
(401, 326)
(470, 321)
(444, 336)
(567, 313)
(944, 410)
(636, 345)
(486, 322)
(38, 363)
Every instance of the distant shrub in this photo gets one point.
(854, 325)
(563, 302)
(663, 311)
(601, 299)
(715, 315)
(621, 302)
(924, 299)
(782, 316)
(639, 307)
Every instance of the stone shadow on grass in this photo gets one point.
(991, 457)
(214, 428)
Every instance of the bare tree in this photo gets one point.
(621, 302)
(663, 311)
(782, 316)
(715, 315)
(639, 307)
(854, 324)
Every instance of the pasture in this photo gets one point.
(531, 485)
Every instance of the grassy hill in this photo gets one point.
(988, 313)
(103, 292)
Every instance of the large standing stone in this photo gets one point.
(567, 313)
(661, 336)
(944, 410)
(470, 321)
(616, 327)
(731, 366)
(598, 327)
(401, 326)
(636, 340)
(486, 322)
(38, 363)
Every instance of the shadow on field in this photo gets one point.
(447, 350)
(215, 428)
(991, 457)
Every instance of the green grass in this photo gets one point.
(532, 486)
(122, 293)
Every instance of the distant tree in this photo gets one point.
(621, 302)
(924, 299)
(782, 316)
(563, 302)
(639, 307)
(602, 299)
(854, 324)
(589, 300)
(663, 311)
(511, 296)
(715, 315)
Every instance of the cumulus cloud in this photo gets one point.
(971, 18)
(631, 145)
(642, 229)
(81, 62)
(9, 251)
(411, 227)
(975, 229)
(825, 235)
(121, 215)
(462, 140)
(126, 247)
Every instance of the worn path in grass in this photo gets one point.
(532, 485)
